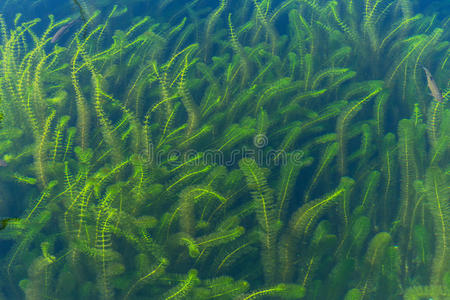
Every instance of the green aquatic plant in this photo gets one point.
(264, 201)
(346, 115)
(374, 255)
(419, 292)
(437, 196)
(217, 151)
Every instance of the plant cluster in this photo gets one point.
(227, 150)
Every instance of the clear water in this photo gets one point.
(239, 149)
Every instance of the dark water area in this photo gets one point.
(227, 149)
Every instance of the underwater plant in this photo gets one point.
(227, 150)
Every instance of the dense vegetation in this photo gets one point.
(227, 150)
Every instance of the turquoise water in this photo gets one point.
(237, 149)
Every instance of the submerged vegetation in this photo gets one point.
(227, 150)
